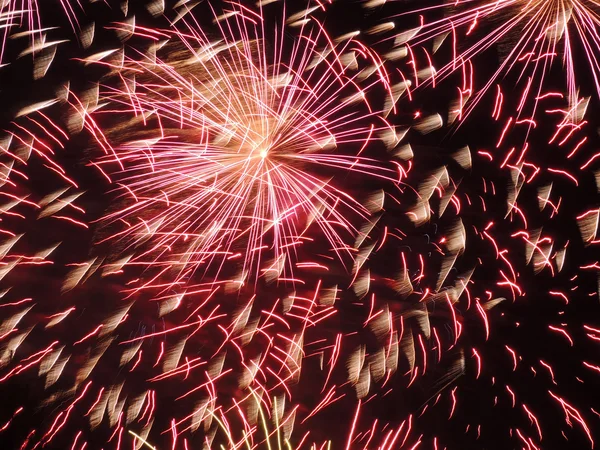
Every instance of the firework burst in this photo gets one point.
(533, 38)
(234, 146)
(258, 268)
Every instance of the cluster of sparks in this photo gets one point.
(24, 18)
(277, 246)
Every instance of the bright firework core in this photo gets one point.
(244, 161)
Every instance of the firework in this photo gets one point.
(529, 160)
(251, 249)
(292, 114)
(35, 23)
(231, 148)
(534, 39)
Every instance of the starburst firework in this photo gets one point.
(533, 36)
(386, 308)
(235, 146)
